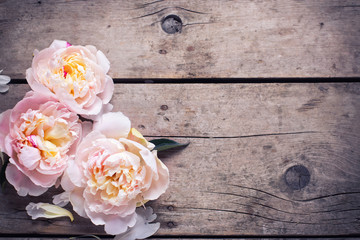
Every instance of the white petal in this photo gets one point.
(103, 61)
(142, 228)
(46, 210)
(22, 183)
(61, 199)
(117, 225)
(113, 125)
(4, 79)
(78, 202)
(4, 88)
(57, 44)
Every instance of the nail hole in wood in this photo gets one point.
(171, 224)
(171, 24)
(297, 177)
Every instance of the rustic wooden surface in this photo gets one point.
(233, 180)
(219, 39)
(230, 180)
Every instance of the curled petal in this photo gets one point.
(22, 183)
(46, 210)
(136, 136)
(117, 225)
(143, 227)
(113, 125)
(4, 79)
(4, 127)
(4, 88)
(159, 184)
(61, 199)
(103, 61)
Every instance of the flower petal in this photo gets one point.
(46, 210)
(117, 225)
(136, 136)
(159, 184)
(4, 88)
(4, 128)
(29, 157)
(142, 228)
(22, 184)
(4, 79)
(61, 199)
(78, 202)
(103, 61)
(113, 125)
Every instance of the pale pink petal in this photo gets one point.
(58, 44)
(32, 101)
(160, 184)
(66, 182)
(96, 218)
(61, 199)
(108, 90)
(143, 227)
(29, 157)
(75, 174)
(4, 128)
(103, 61)
(22, 184)
(116, 225)
(113, 125)
(94, 108)
(77, 201)
(144, 152)
(44, 181)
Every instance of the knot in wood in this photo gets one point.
(297, 177)
(171, 24)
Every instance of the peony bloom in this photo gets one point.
(114, 171)
(40, 136)
(76, 75)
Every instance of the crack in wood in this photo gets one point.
(243, 136)
(166, 8)
(296, 200)
(268, 218)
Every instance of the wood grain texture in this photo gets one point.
(219, 39)
(230, 180)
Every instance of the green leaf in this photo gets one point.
(166, 144)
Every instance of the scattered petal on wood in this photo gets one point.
(46, 210)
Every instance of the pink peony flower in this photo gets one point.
(76, 75)
(114, 171)
(40, 136)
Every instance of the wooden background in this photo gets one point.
(195, 86)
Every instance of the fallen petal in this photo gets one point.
(142, 228)
(46, 210)
(61, 199)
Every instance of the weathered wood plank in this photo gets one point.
(233, 179)
(231, 110)
(241, 39)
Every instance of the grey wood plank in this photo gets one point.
(234, 179)
(219, 39)
(231, 110)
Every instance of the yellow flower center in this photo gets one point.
(114, 177)
(45, 133)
